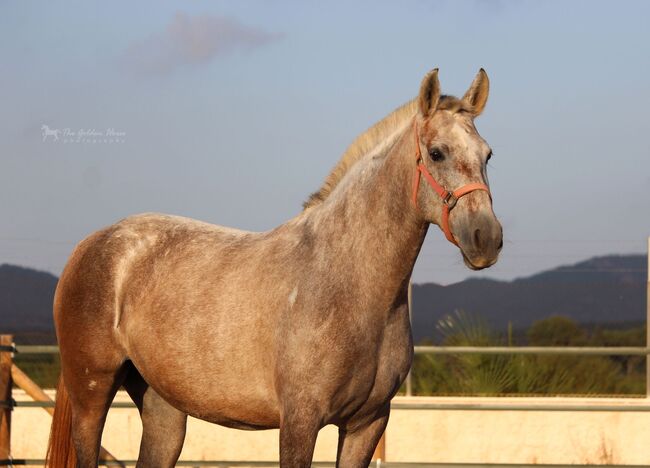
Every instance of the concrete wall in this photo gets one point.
(440, 435)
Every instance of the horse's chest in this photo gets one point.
(379, 373)
(393, 363)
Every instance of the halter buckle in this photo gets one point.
(450, 200)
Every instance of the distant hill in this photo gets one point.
(601, 290)
(26, 303)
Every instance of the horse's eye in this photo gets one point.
(436, 154)
(489, 156)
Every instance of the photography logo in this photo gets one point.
(83, 135)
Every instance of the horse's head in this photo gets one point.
(452, 159)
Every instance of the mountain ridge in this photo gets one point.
(606, 289)
(601, 290)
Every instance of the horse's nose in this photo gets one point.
(478, 241)
(488, 238)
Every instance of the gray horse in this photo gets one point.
(295, 328)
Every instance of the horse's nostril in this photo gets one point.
(477, 238)
(501, 244)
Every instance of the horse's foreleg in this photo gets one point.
(358, 442)
(163, 426)
(298, 432)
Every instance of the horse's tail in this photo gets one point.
(60, 449)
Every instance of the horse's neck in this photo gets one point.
(370, 226)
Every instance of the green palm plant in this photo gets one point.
(476, 374)
(482, 374)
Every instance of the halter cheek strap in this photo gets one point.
(449, 198)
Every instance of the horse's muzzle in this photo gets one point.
(481, 242)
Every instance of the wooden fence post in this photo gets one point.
(5, 395)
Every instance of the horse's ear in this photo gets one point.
(477, 94)
(429, 93)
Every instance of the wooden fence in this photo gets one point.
(11, 375)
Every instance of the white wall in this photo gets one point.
(441, 435)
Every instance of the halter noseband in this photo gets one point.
(449, 198)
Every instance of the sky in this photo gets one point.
(233, 112)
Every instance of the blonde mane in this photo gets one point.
(370, 139)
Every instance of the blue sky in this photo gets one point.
(233, 112)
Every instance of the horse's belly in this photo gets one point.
(249, 405)
(235, 422)
(223, 385)
(247, 415)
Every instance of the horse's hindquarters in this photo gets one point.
(126, 294)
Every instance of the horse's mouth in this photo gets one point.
(478, 264)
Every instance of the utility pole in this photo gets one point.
(647, 327)
(409, 383)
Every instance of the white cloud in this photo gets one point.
(191, 40)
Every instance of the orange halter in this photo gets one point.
(449, 199)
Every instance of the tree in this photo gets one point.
(556, 331)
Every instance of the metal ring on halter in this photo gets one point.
(450, 200)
